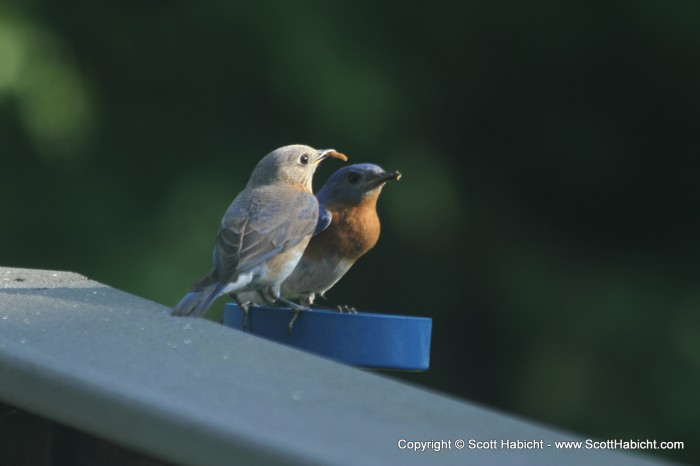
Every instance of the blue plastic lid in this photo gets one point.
(379, 341)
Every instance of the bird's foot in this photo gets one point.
(245, 307)
(290, 325)
(296, 310)
(346, 309)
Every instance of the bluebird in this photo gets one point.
(348, 227)
(264, 232)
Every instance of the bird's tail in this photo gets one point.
(196, 303)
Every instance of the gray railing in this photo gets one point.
(95, 360)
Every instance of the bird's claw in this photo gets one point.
(290, 326)
(346, 309)
(245, 307)
(296, 309)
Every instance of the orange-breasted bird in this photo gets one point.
(348, 228)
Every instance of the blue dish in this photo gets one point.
(378, 341)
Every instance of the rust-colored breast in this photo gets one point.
(353, 231)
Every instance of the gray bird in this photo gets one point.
(264, 232)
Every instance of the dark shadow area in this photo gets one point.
(27, 439)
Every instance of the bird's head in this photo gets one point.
(353, 184)
(293, 164)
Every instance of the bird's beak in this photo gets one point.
(384, 177)
(326, 153)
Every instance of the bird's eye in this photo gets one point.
(353, 177)
(304, 159)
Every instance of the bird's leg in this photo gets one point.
(290, 325)
(296, 309)
(245, 323)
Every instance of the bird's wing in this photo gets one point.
(259, 225)
(227, 248)
(324, 219)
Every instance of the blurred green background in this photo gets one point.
(548, 215)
